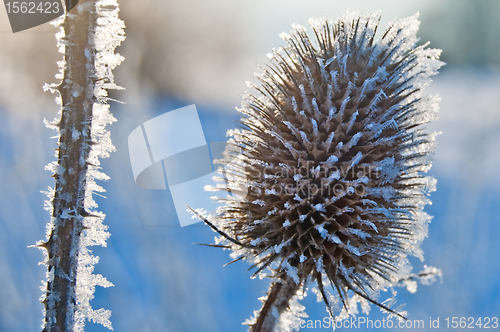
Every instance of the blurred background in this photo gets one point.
(201, 52)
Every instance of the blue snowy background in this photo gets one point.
(201, 52)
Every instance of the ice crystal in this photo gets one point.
(88, 37)
(334, 152)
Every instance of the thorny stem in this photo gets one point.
(278, 297)
(276, 302)
(77, 95)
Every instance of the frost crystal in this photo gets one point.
(88, 37)
(335, 146)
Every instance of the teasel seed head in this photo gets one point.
(332, 155)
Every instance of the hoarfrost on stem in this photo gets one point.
(88, 37)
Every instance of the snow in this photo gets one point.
(293, 318)
(109, 33)
(320, 207)
(352, 249)
(291, 271)
(271, 191)
(361, 234)
(259, 202)
(323, 232)
(334, 238)
(332, 159)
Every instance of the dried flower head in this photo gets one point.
(332, 152)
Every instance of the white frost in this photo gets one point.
(108, 33)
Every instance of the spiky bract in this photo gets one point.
(332, 155)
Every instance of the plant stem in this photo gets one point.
(277, 301)
(77, 96)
